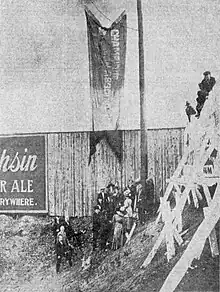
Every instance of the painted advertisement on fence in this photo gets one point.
(22, 174)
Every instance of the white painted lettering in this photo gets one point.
(14, 164)
(23, 189)
(4, 161)
(2, 186)
(15, 187)
(30, 185)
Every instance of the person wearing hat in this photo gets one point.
(62, 250)
(109, 203)
(103, 199)
(190, 111)
(118, 223)
(205, 86)
(207, 83)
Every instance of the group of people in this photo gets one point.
(205, 87)
(112, 220)
(65, 239)
(116, 210)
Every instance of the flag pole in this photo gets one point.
(143, 140)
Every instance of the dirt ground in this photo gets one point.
(27, 260)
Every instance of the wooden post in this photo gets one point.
(131, 233)
(179, 223)
(169, 231)
(143, 146)
(154, 249)
(212, 237)
(195, 246)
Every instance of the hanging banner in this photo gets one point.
(107, 51)
(22, 175)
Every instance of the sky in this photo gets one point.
(44, 61)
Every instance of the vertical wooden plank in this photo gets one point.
(69, 186)
(123, 160)
(90, 192)
(85, 174)
(51, 169)
(60, 192)
(72, 187)
(74, 172)
(57, 176)
(79, 173)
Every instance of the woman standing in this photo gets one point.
(128, 209)
(118, 222)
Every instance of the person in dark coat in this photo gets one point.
(110, 189)
(79, 238)
(205, 86)
(207, 83)
(103, 200)
(105, 230)
(96, 226)
(132, 188)
(62, 250)
(117, 199)
(190, 111)
(202, 96)
(149, 189)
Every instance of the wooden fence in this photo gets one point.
(73, 184)
(165, 149)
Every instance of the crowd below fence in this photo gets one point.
(115, 212)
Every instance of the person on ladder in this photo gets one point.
(205, 87)
(190, 111)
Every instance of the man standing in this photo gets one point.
(103, 200)
(62, 250)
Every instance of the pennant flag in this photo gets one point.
(113, 138)
(107, 51)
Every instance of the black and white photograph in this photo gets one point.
(109, 146)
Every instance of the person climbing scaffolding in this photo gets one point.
(205, 87)
(207, 83)
(190, 111)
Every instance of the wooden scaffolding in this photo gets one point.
(198, 170)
